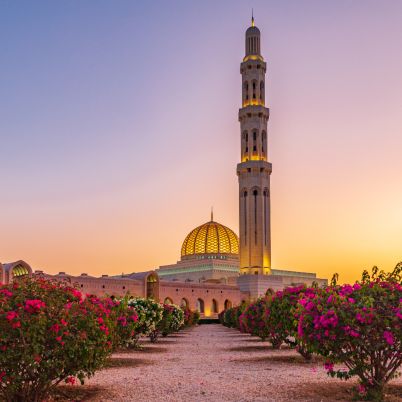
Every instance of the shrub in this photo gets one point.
(256, 320)
(232, 315)
(221, 317)
(282, 318)
(172, 321)
(126, 322)
(48, 335)
(191, 318)
(149, 312)
(359, 326)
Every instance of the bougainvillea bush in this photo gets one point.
(232, 315)
(172, 321)
(256, 320)
(48, 335)
(359, 326)
(149, 313)
(282, 320)
(191, 317)
(126, 321)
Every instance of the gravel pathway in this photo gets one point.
(214, 363)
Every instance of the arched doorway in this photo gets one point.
(228, 304)
(168, 300)
(214, 306)
(153, 286)
(184, 303)
(200, 306)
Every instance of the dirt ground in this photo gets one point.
(214, 363)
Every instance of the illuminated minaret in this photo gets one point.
(254, 170)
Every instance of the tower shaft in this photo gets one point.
(254, 170)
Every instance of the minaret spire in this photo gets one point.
(254, 170)
(212, 214)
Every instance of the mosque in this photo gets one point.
(217, 268)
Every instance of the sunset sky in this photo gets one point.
(119, 131)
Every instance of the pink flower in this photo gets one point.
(2, 375)
(361, 389)
(34, 306)
(354, 334)
(55, 328)
(389, 338)
(11, 315)
(329, 366)
(70, 380)
(105, 329)
(63, 322)
(76, 293)
(6, 292)
(134, 317)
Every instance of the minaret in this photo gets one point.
(254, 170)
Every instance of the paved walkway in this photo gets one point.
(214, 363)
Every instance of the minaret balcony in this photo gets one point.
(252, 62)
(253, 102)
(253, 111)
(254, 166)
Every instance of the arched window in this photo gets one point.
(184, 303)
(152, 286)
(246, 90)
(255, 194)
(168, 300)
(228, 304)
(214, 306)
(254, 141)
(200, 306)
(254, 88)
(264, 141)
(265, 215)
(245, 141)
(245, 217)
(262, 90)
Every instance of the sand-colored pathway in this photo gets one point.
(214, 363)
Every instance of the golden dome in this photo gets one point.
(210, 238)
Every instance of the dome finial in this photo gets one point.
(252, 17)
(212, 214)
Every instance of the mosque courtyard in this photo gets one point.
(214, 363)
